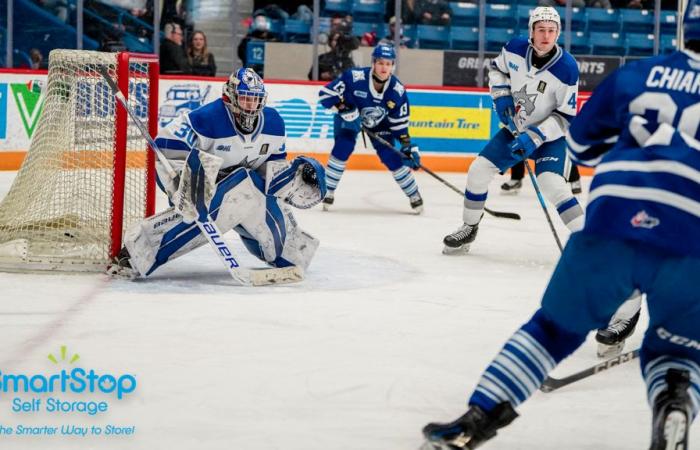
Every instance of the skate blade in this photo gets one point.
(610, 351)
(674, 431)
(436, 445)
(326, 207)
(464, 249)
(511, 192)
(418, 210)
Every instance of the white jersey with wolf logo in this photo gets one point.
(544, 97)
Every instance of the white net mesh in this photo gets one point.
(58, 212)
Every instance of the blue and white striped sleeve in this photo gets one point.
(333, 93)
(177, 139)
(597, 126)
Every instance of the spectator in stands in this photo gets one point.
(337, 60)
(635, 4)
(259, 31)
(303, 13)
(407, 10)
(111, 38)
(201, 61)
(389, 38)
(37, 59)
(272, 12)
(59, 8)
(576, 3)
(432, 12)
(341, 24)
(173, 59)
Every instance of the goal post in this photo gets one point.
(88, 173)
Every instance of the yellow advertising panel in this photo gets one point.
(450, 122)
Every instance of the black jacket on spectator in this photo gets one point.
(332, 64)
(173, 59)
(436, 8)
(203, 68)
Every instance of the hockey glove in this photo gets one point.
(351, 120)
(505, 108)
(526, 143)
(410, 156)
(309, 174)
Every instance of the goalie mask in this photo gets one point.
(244, 95)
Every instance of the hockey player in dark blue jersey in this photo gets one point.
(640, 129)
(249, 186)
(372, 98)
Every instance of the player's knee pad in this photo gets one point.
(557, 191)
(480, 174)
(165, 236)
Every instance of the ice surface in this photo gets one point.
(384, 335)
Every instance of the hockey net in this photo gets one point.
(88, 173)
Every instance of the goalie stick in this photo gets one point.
(501, 214)
(255, 277)
(551, 384)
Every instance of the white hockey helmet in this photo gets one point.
(245, 95)
(544, 13)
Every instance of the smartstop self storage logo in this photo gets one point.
(69, 390)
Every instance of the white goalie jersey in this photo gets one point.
(544, 97)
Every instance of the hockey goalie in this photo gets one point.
(230, 157)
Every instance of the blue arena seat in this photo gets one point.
(603, 43)
(433, 37)
(578, 18)
(639, 44)
(410, 33)
(600, 19)
(465, 14)
(523, 16)
(337, 7)
(464, 38)
(669, 22)
(637, 20)
(501, 16)
(668, 44)
(360, 28)
(580, 43)
(368, 10)
(297, 31)
(496, 38)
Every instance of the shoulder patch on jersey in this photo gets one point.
(390, 104)
(518, 46)
(398, 87)
(212, 120)
(274, 124)
(357, 75)
(541, 87)
(566, 69)
(512, 65)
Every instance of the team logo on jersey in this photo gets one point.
(372, 116)
(263, 149)
(524, 101)
(399, 88)
(541, 87)
(390, 104)
(644, 220)
(512, 65)
(357, 75)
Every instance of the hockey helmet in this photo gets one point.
(691, 21)
(384, 51)
(544, 13)
(244, 94)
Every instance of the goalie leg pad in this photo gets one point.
(166, 236)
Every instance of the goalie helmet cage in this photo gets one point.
(88, 174)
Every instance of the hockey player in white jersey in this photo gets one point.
(239, 143)
(534, 84)
(640, 130)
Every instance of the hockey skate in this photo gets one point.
(460, 240)
(672, 413)
(416, 203)
(576, 187)
(121, 266)
(328, 201)
(611, 340)
(511, 187)
(469, 431)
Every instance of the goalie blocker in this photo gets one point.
(256, 207)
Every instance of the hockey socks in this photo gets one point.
(655, 376)
(334, 172)
(524, 362)
(406, 181)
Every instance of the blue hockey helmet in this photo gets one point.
(245, 95)
(691, 21)
(384, 51)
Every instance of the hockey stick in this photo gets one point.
(205, 222)
(551, 384)
(501, 214)
(514, 131)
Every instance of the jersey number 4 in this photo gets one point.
(667, 110)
